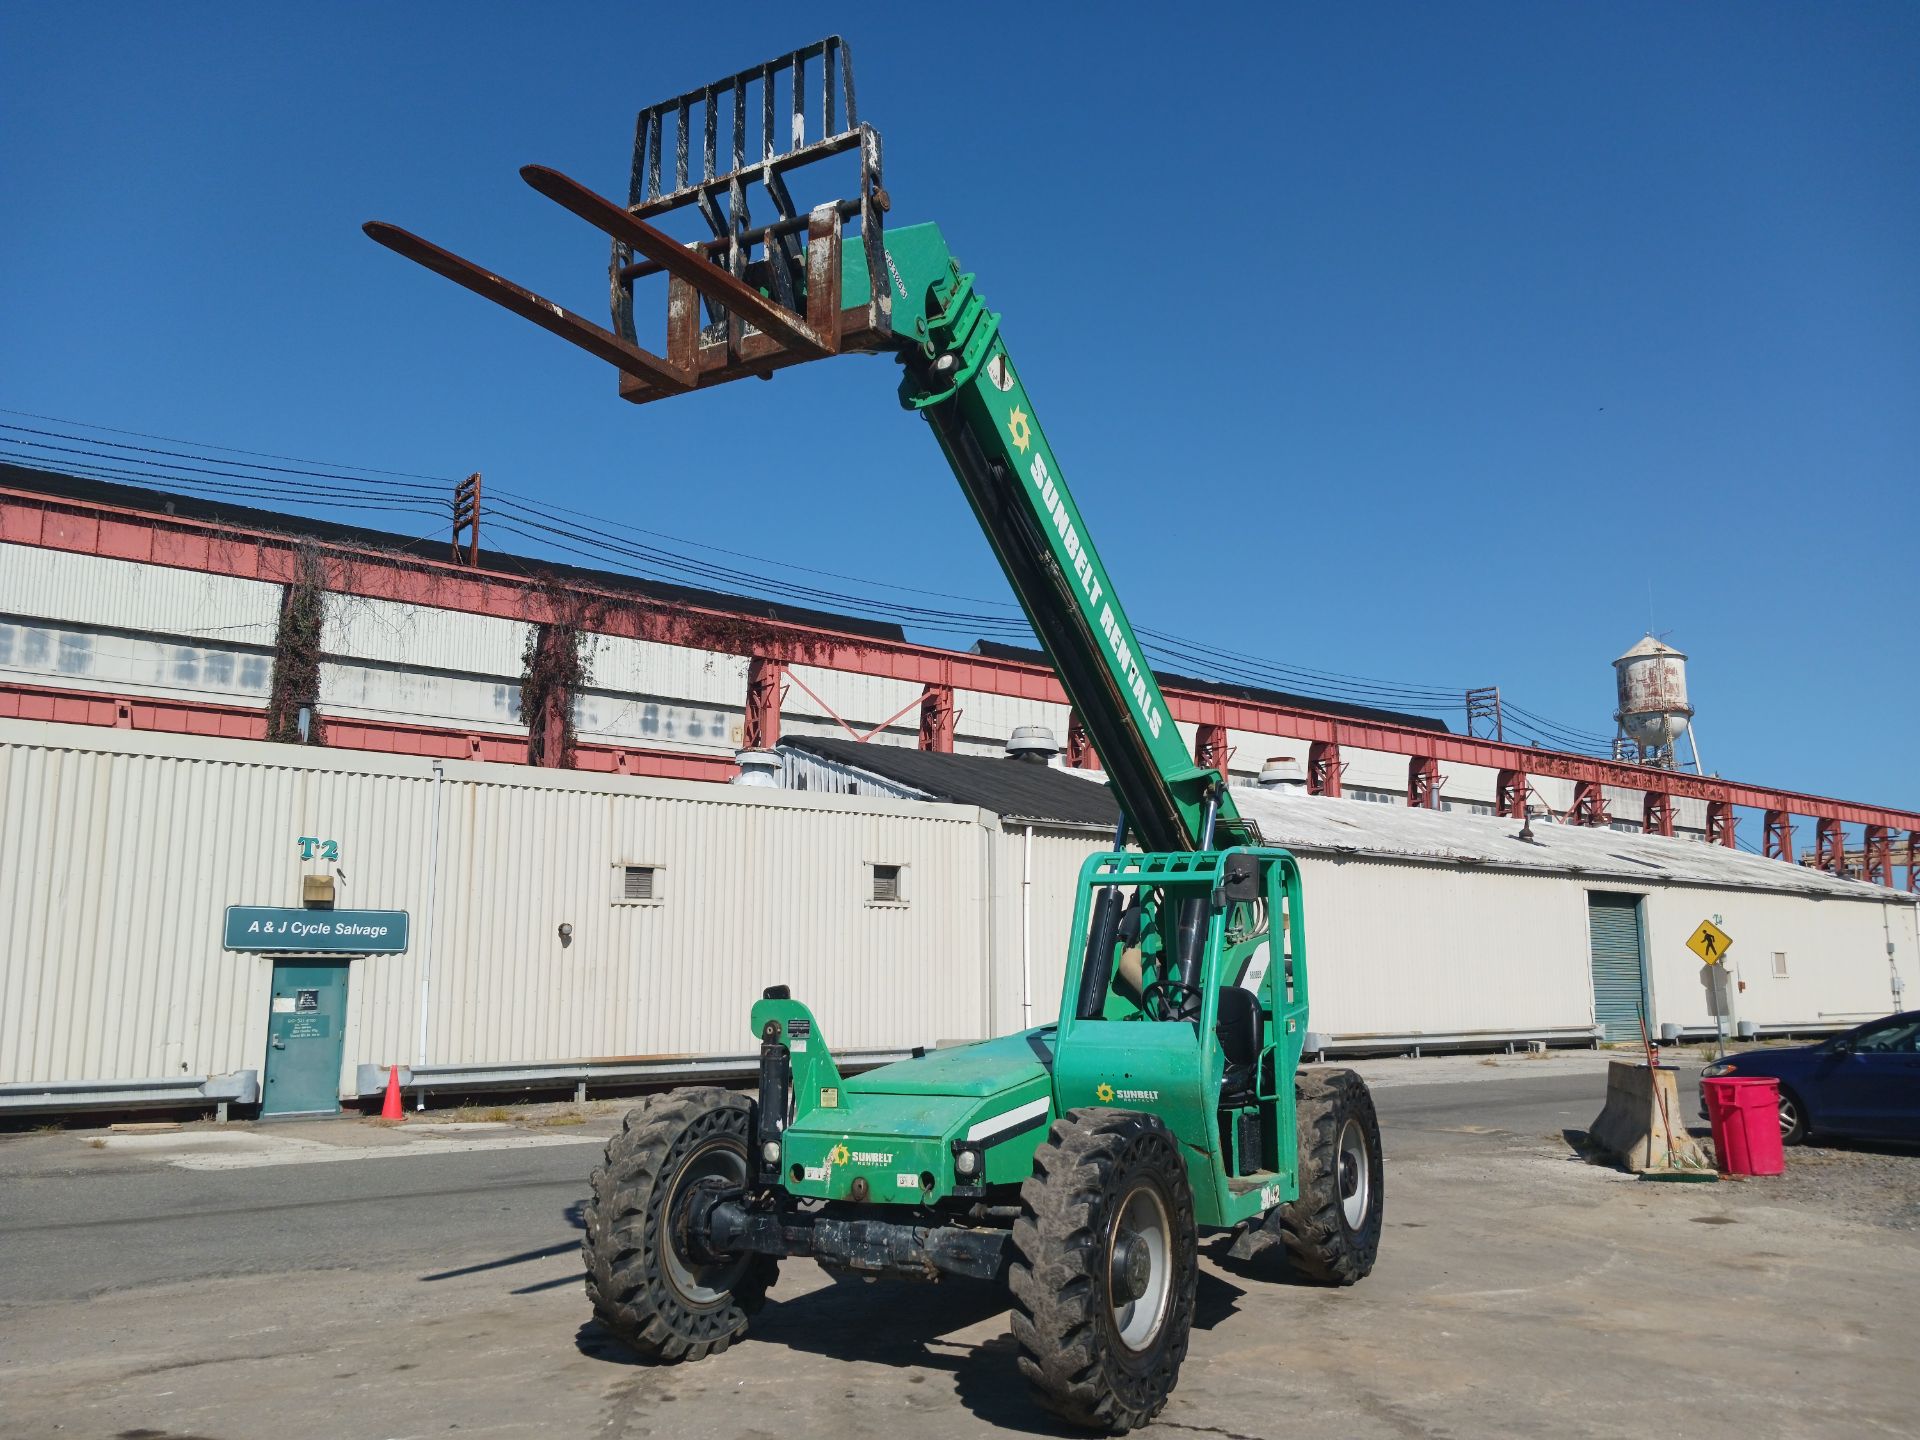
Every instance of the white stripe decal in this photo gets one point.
(1010, 1117)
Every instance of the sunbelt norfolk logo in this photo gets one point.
(1108, 1094)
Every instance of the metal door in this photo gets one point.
(1619, 967)
(305, 1036)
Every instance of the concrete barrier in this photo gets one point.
(1642, 1125)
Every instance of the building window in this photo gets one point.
(1469, 807)
(888, 885)
(1371, 797)
(636, 884)
(1779, 964)
(76, 653)
(1625, 827)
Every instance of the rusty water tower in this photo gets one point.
(1651, 686)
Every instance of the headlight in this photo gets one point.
(771, 1151)
(966, 1162)
(1717, 1069)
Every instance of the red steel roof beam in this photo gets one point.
(1776, 838)
(1657, 813)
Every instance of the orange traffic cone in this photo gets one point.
(390, 1108)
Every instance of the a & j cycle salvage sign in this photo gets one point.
(345, 932)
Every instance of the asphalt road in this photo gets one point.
(77, 1223)
(79, 1231)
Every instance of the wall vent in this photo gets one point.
(636, 884)
(886, 885)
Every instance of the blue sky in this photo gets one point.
(1416, 342)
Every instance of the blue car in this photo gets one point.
(1863, 1085)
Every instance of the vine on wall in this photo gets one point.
(296, 651)
(552, 672)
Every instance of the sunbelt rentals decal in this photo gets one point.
(841, 1155)
(1020, 431)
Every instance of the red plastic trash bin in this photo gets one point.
(1744, 1111)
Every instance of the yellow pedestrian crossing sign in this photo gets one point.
(1710, 943)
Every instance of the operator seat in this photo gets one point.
(1238, 1025)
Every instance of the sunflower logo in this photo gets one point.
(838, 1156)
(1020, 429)
(1105, 1092)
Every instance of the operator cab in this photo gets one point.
(1158, 950)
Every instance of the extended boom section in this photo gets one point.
(962, 380)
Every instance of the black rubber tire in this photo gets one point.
(1322, 1244)
(629, 1226)
(1796, 1133)
(1091, 1164)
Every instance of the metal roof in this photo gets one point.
(1319, 825)
(1315, 824)
(1011, 789)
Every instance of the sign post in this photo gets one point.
(1711, 944)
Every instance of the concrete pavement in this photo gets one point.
(1520, 1292)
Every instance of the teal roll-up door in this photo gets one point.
(1613, 928)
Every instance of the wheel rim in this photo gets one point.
(702, 1283)
(1140, 1266)
(1355, 1175)
(1789, 1116)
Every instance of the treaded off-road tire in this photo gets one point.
(644, 1284)
(1332, 1232)
(1104, 1180)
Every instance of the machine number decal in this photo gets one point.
(1269, 1196)
(817, 1172)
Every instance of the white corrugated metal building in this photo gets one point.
(590, 928)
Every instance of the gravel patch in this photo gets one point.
(1868, 1187)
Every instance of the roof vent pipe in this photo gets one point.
(1282, 772)
(1033, 743)
(759, 767)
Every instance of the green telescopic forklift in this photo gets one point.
(1077, 1161)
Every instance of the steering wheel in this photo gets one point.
(1168, 998)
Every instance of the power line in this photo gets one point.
(329, 485)
(225, 449)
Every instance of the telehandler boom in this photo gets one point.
(1077, 1160)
